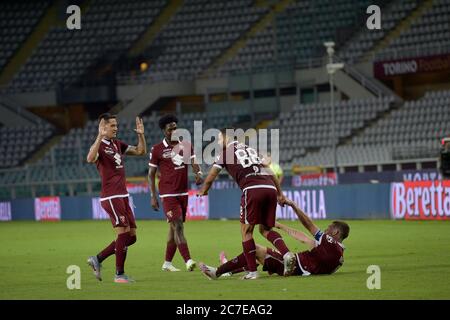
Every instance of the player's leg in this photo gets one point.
(131, 221)
(96, 261)
(235, 265)
(123, 236)
(269, 206)
(181, 242)
(171, 248)
(120, 210)
(249, 218)
(249, 248)
(274, 237)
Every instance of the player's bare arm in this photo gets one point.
(212, 175)
(197, 171)
(281, 198)
(93, 151)
(151, 183)
(304, 219)
(296, 234)
(141, 147)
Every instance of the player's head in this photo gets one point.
(339, 230)
(226, 135)
(110, 124)
(168, 124)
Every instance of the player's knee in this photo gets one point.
(132, 240)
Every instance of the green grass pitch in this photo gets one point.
(414, 258)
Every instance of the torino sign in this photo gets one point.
(421, 200)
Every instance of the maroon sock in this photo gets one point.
(171, 248)
(131, 240)
(121, 249)
(230, 266)
(277, 241)
(250, 254)
(184, 251)
(108, 251)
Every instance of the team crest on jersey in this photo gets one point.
(168, 154)
(108, 150)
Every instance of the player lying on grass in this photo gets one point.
(325, 254)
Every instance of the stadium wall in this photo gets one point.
(409, 200)
(365, 201)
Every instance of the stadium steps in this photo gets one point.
(233, 50)
(154, 29)
(49, 19)
(42, 150)
(397, 31)
(371, 123)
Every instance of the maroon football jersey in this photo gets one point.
(325, 258)
(244, 165)
(110, 165)
(172, 162)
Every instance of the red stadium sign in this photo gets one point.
(198, 207)
(47, 209)
(421, 200)
(386, 69)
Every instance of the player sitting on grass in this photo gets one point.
(325, 254)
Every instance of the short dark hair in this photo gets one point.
(106, 116)
(344, 228)
(165, 120)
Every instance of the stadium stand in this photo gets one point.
(196, 35)
(17, 20)
(109, 28)
(18, 143)
(428, 35)
(298, 39)
(412, 131)
(308, 127)
(365, 39)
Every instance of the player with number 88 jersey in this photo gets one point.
(260, 193)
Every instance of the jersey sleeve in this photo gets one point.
(154, 158)
(123, 147)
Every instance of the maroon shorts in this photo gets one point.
(175, 207)
(119, 212)
(259, 206)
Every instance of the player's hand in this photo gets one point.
(198, 179)
(281, 200)
(102, 128)
(155, 204)
(139, 126)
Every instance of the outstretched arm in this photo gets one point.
(141, 147)
(212, 175)
(296, 234)
(281, 197)
(197, 171)
(304, 219)
(93, 151)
